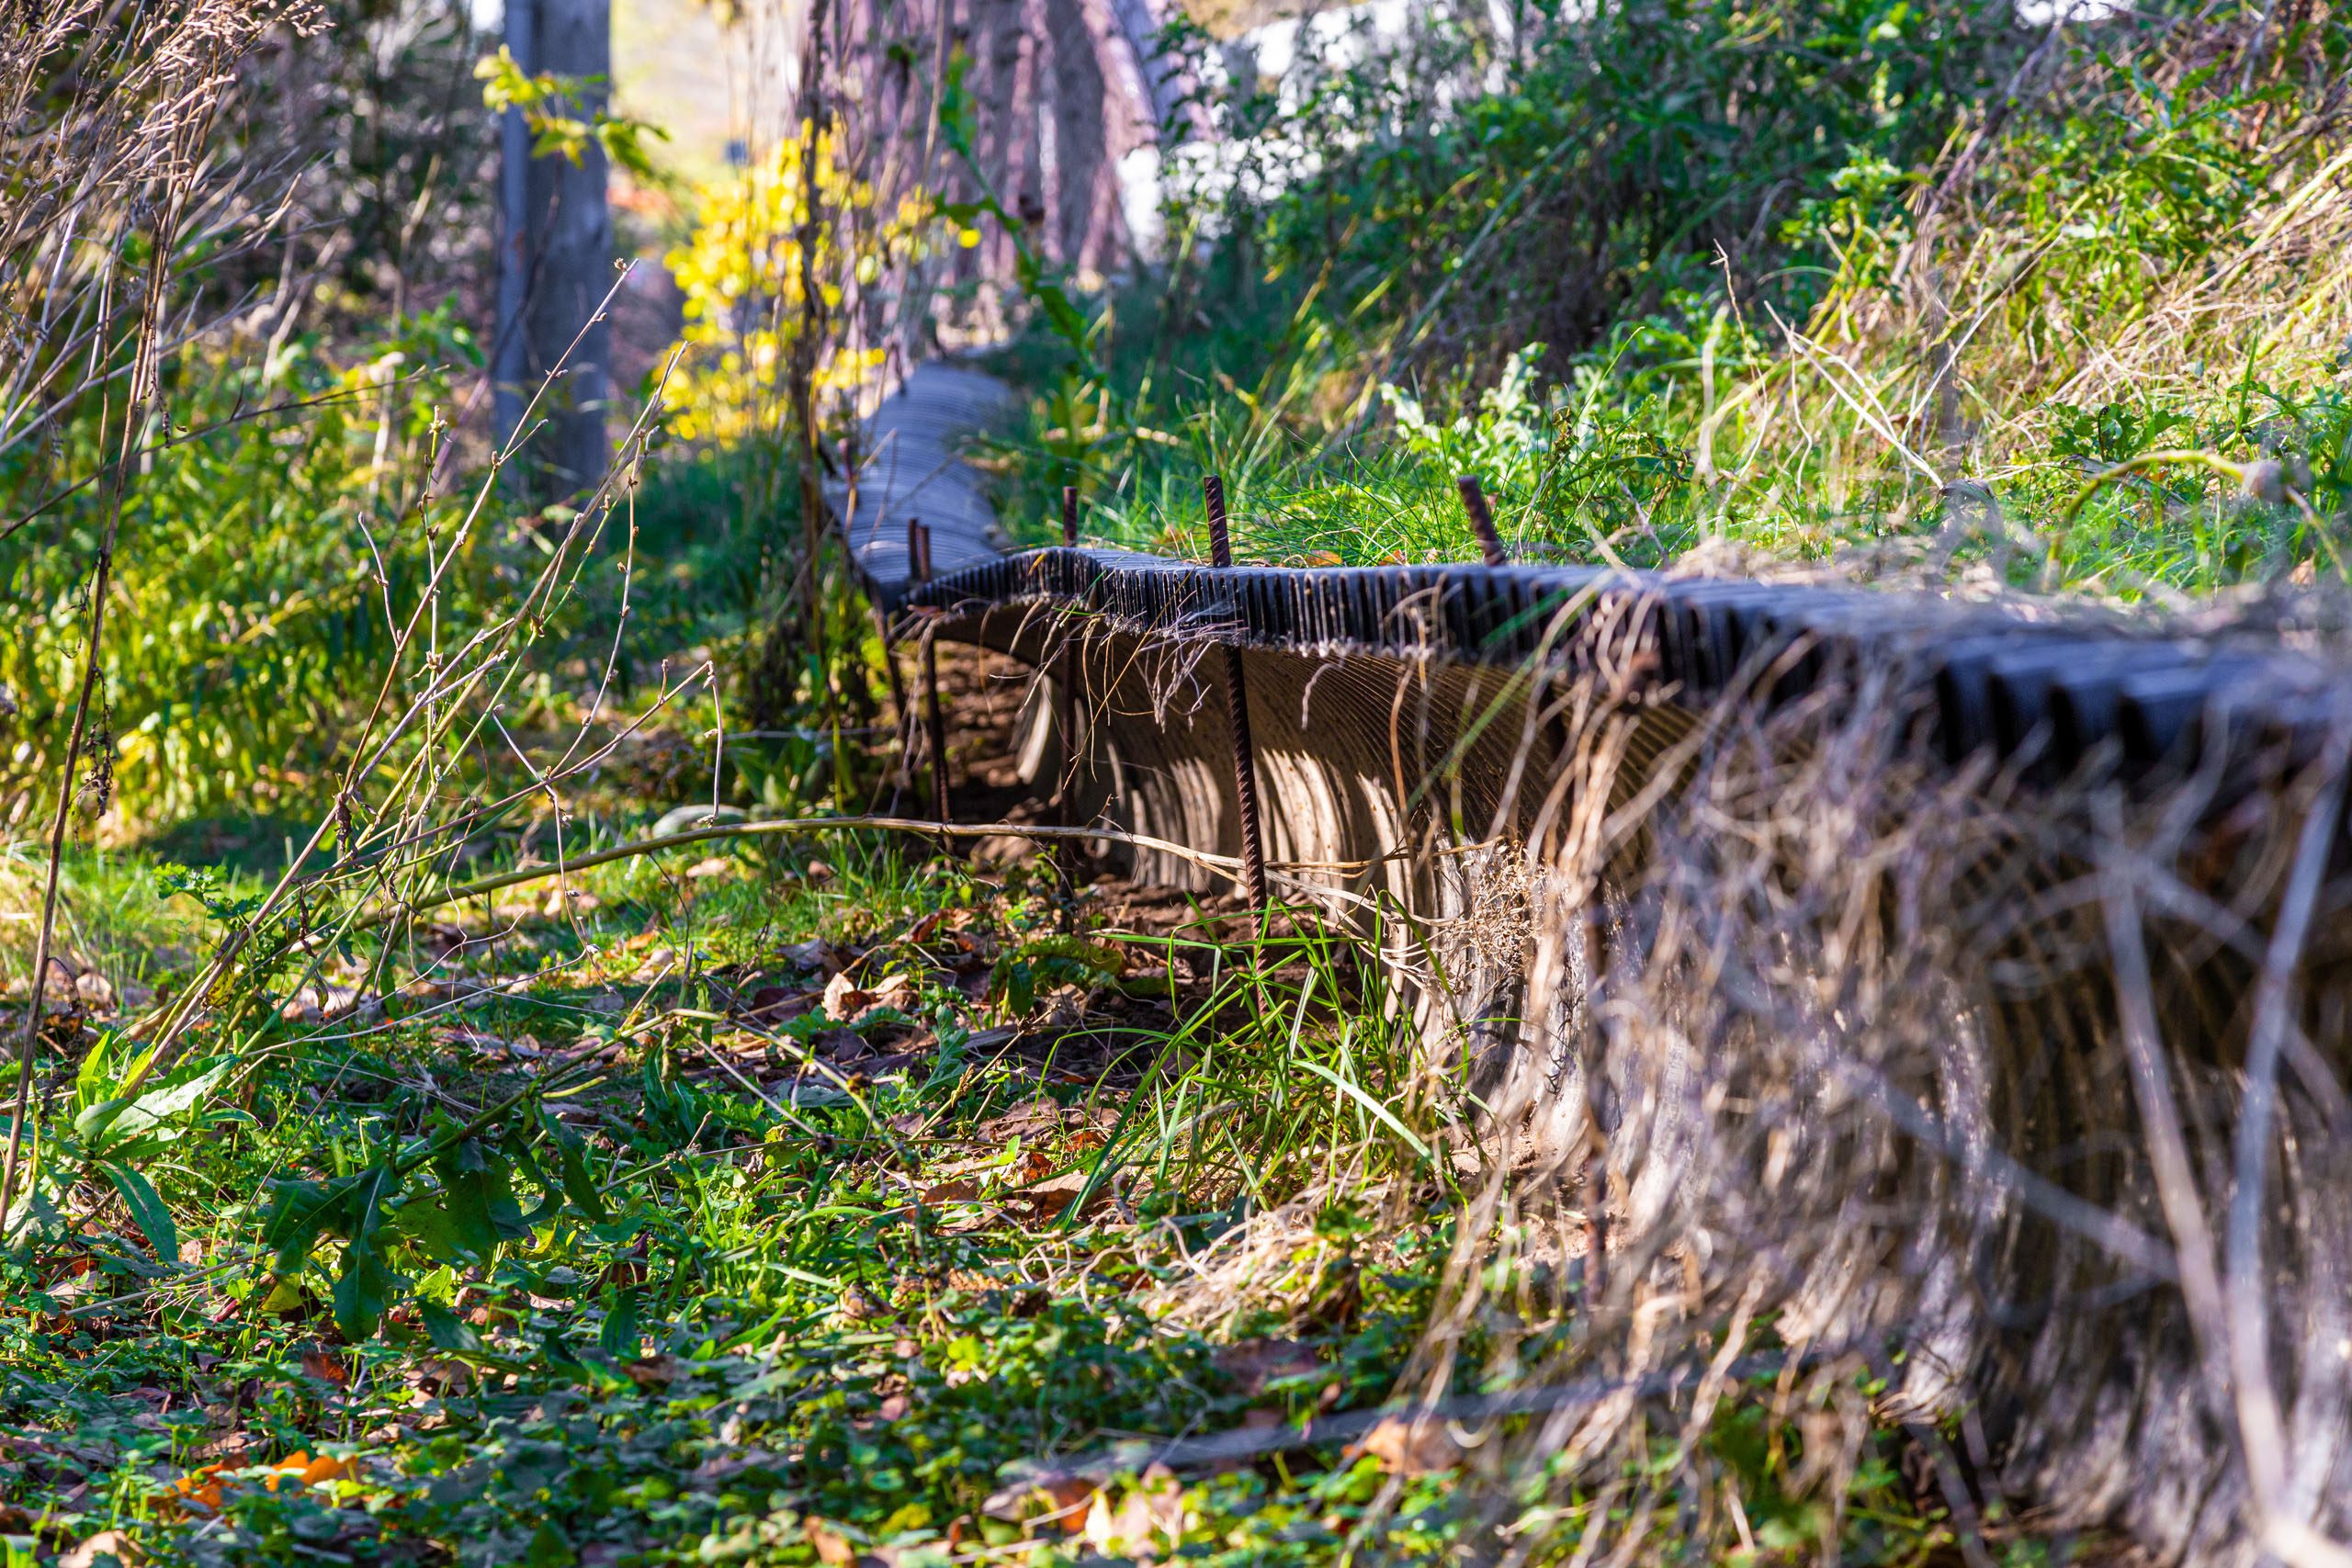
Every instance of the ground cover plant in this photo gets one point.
(790, 1203)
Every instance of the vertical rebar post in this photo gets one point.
(1066, 856)
(919, 568)
(1237, 709)
(1482, 519)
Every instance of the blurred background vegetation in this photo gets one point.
(1866, 279)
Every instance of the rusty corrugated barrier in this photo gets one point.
(1963, 986)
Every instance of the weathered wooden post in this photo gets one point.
(919, 568)
(1236, 708)
(1482, 519)
(1066, 856)
(554, 258)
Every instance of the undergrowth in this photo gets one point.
(782, 1206)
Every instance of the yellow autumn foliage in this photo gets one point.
(742, 275)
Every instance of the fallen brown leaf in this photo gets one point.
(1049, 1200)
(820, 955)
(1254, 1363)
(842, 1046)
(1049, 1499)
(962, 1190)
(1153, 1508)
(103, 1547)
(844, 1000)
(831, 1548)
(776, 1003)
(859, 1305)
(1027, 1120)
(1410, 1446)
(653, 1372)
(440, 1375)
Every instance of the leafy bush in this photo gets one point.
(264, 566)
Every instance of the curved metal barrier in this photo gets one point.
(2057, 689)
(1998, 920)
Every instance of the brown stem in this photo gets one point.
(802, 391)
(1066, 812)
(1237, 711)
(28, 1046)
(142, 393)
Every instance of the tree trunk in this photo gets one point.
(556, 260)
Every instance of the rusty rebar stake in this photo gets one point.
(919, 568)
(1482, 520)
(1065, 855)
(1237, 709)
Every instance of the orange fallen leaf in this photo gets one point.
(197, 1492)
(326, 1467)
(832, 1550)
(202, 1491)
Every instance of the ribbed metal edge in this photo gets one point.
(2052, 692)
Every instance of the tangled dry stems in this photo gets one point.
(1962, 1081)
(2019, 1100)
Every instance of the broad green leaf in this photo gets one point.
(447, 1329)
(365, 1286)
(147, 1209)
(517, 1148)
(117, 1120)
(548, 1548)
(300, 1212)
(429, 1228)
(579, 1182)
(619, 1339)
(564, 1362)
(478, 1190)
